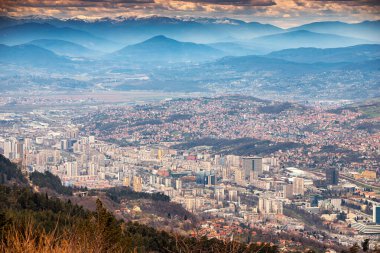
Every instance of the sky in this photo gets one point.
(284, 13)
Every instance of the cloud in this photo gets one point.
(352, 2)
(72, 3)
(258, 3)
(279, 12)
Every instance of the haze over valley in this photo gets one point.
(329, 60)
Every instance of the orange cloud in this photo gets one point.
(280, 12)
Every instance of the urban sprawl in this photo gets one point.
(235, 162)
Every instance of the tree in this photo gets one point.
(365, 245)
(108, 229)
(3, 222)
(355, 248)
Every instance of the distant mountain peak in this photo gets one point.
(302, 31)
(159, 39)
(162, 48)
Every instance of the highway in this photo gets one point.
(366, 185)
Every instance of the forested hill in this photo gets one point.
(50, 181)
(37, 222)
(9, 172)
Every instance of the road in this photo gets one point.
(352, 180)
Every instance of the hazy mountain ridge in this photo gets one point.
(161, 48)
(357, 53)
(167, 63)
(65, 48)
(23, 33)
(131, 30)
(261, 63)
(284, 67)
(368, 30)
(30, 55)
(235, 49)
(304, 38)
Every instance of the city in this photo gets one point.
(190, 126)
(317, 192)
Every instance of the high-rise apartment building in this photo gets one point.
(211, 180)
(376, 214)
(298, 186)
(219, 194)
(8, 149)
(93, 169)
(233, 195)
(287, 191)
(332, 176)
(178, 184)
(137, 184)
(269, 205)
(254, 164)
(72, 169)
(127, 182)
(239, 176)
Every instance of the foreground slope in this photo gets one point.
(35, 222)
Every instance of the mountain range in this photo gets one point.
(191, 54)
(24, 33)
(304, 38)
(77, 38)
(65, 48)
(368, 30)
(163, 50)
(357, 53)
(285, 67)
(130, 30)
(30, 55)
